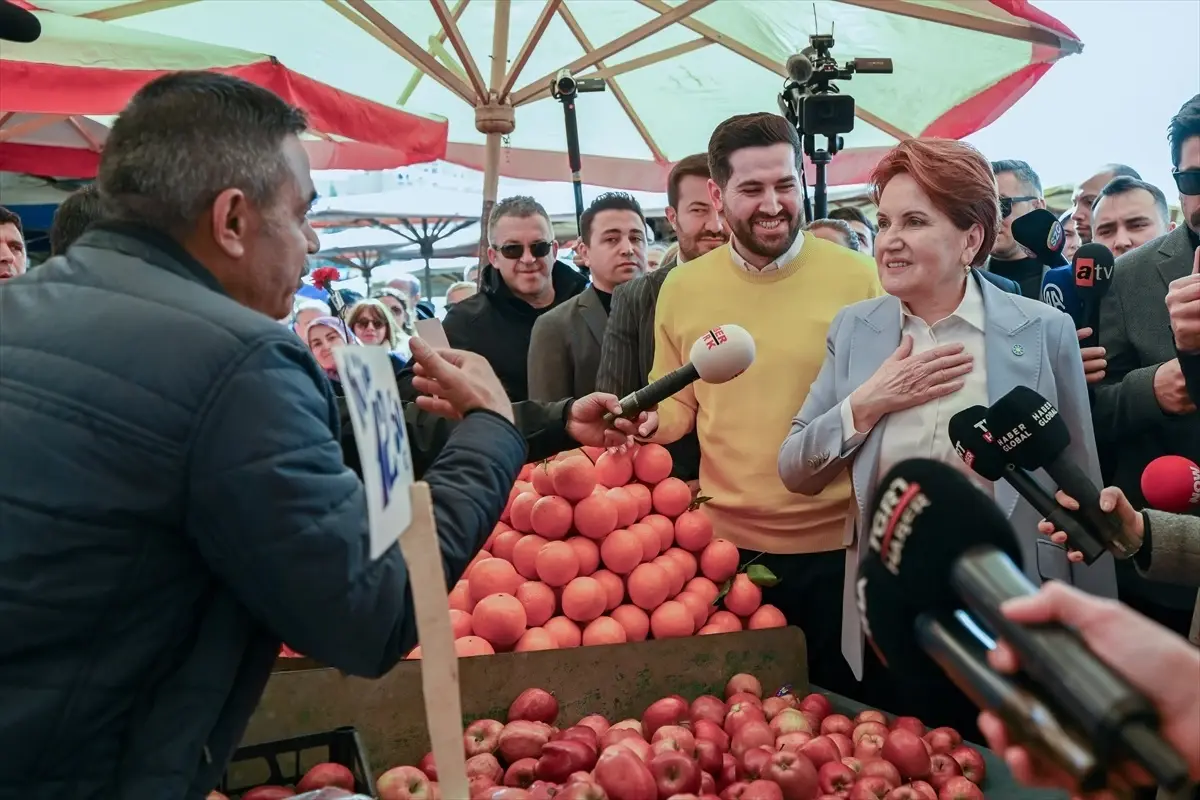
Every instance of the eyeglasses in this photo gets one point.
(514, 251)
(371, 323)
(1187, 181)
(1006, 204)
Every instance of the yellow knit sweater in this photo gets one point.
(742, 423)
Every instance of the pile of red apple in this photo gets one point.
(744, 747)
(602, 547)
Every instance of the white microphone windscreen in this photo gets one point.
(723, 353)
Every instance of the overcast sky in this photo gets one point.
(1112, 102)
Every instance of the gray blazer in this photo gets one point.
(1174, 555)
(1028, 343)
(564, 348)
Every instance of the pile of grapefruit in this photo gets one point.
(602, 547)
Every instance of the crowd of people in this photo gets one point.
(179, 474)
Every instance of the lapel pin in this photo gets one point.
(1018, 350)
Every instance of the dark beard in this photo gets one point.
(744, 233)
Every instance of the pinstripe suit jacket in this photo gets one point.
(628, 350)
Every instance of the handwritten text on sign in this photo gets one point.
(377, 415)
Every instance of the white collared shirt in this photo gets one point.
(782, 261)
(922, 431)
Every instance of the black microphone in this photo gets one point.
(1041, 233)
(940, 542)
(18, 24)
(1093, 267)
(718, 356)
(978, 449)
(1032, 434)
(1058, 291)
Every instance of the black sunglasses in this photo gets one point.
(1006, 204)
(514, 251)
(1187, 181)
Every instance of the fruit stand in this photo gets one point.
(615, 681)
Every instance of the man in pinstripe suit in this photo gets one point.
(628, 350)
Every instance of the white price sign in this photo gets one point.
(382, 438)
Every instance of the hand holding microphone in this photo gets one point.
(1112, 501)
(718, 356)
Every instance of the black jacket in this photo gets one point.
(173, 504)
(497, 325)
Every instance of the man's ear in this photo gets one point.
(715, 195)
(1039, 203)
(230, 222)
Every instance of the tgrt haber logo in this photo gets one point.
(714, 338)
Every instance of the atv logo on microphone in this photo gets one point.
(899, 506)
(1087, 271)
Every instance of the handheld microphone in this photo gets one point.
(1093, 267)
(718, 356)
(18, 24)
(799, 68)
(1032, 433)
(1171, 483)
(1040, 232)
(978, 449)
(925, 556)
(1058, 291)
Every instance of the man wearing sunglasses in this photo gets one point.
(1020, 192)
(522, 281)
(1143, 410)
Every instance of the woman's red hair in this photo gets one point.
(957, 179)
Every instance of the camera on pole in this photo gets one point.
(816, 107)
(565, 87)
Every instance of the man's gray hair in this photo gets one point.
(188, 136)
(520, 206)
(1022, 170)
(1122, 171)
(839, 225)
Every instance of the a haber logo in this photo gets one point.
(899, 507)
(1195, 486)
(1085, 272)
(714, 338)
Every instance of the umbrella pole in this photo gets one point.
(496, 126)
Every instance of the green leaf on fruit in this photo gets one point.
(760, 575)
(725, 587)
(699, 501)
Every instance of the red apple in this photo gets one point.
(970, 760)
(708, 785)
(580, 777)
(510, 793)
(871, 715)
(909, 724)
(636, 746)
(903, 793)
(537, 705)
(926, 790)
(821, 750)
(707, 729)
(481, 787)
(596, 722)
(581, 790)
(752, 763)
(793, 741)
(878, 768)
(584, 734)
(837, 723)
(844, 745)
(482, 736)
(741, 713)
(835, 777)
(943, 740)
(853, 763)
(743, 682)
(521, 773)
(708, 756)
(869, 746)
(750, 735)
(870, 727)
(790, 721)
(684, 740)
(543, 790)
(869, 788)
(745, 697)
(941, 769)
(280, 792)
(904, 749)
(634, 725)
(485, 765)
(959, 788)
(817, 704)
(773, 705)
(623, 776)
(428, 766)
(668, 711)
(832, 797)
(523, 739)
(728, 774)
(562, 757)
(675, 773)
(762, 790)
(708, 707)
(734, 791)
(614, 735)
(402, 783)
(814, 720)
(328, 775)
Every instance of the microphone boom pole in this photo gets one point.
(565, 89)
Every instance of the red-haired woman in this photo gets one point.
(942, 340)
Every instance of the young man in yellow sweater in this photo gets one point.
(784, 287)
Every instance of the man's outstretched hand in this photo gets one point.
(453, 382)
(586, 425)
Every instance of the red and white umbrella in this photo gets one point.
(60, 93)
